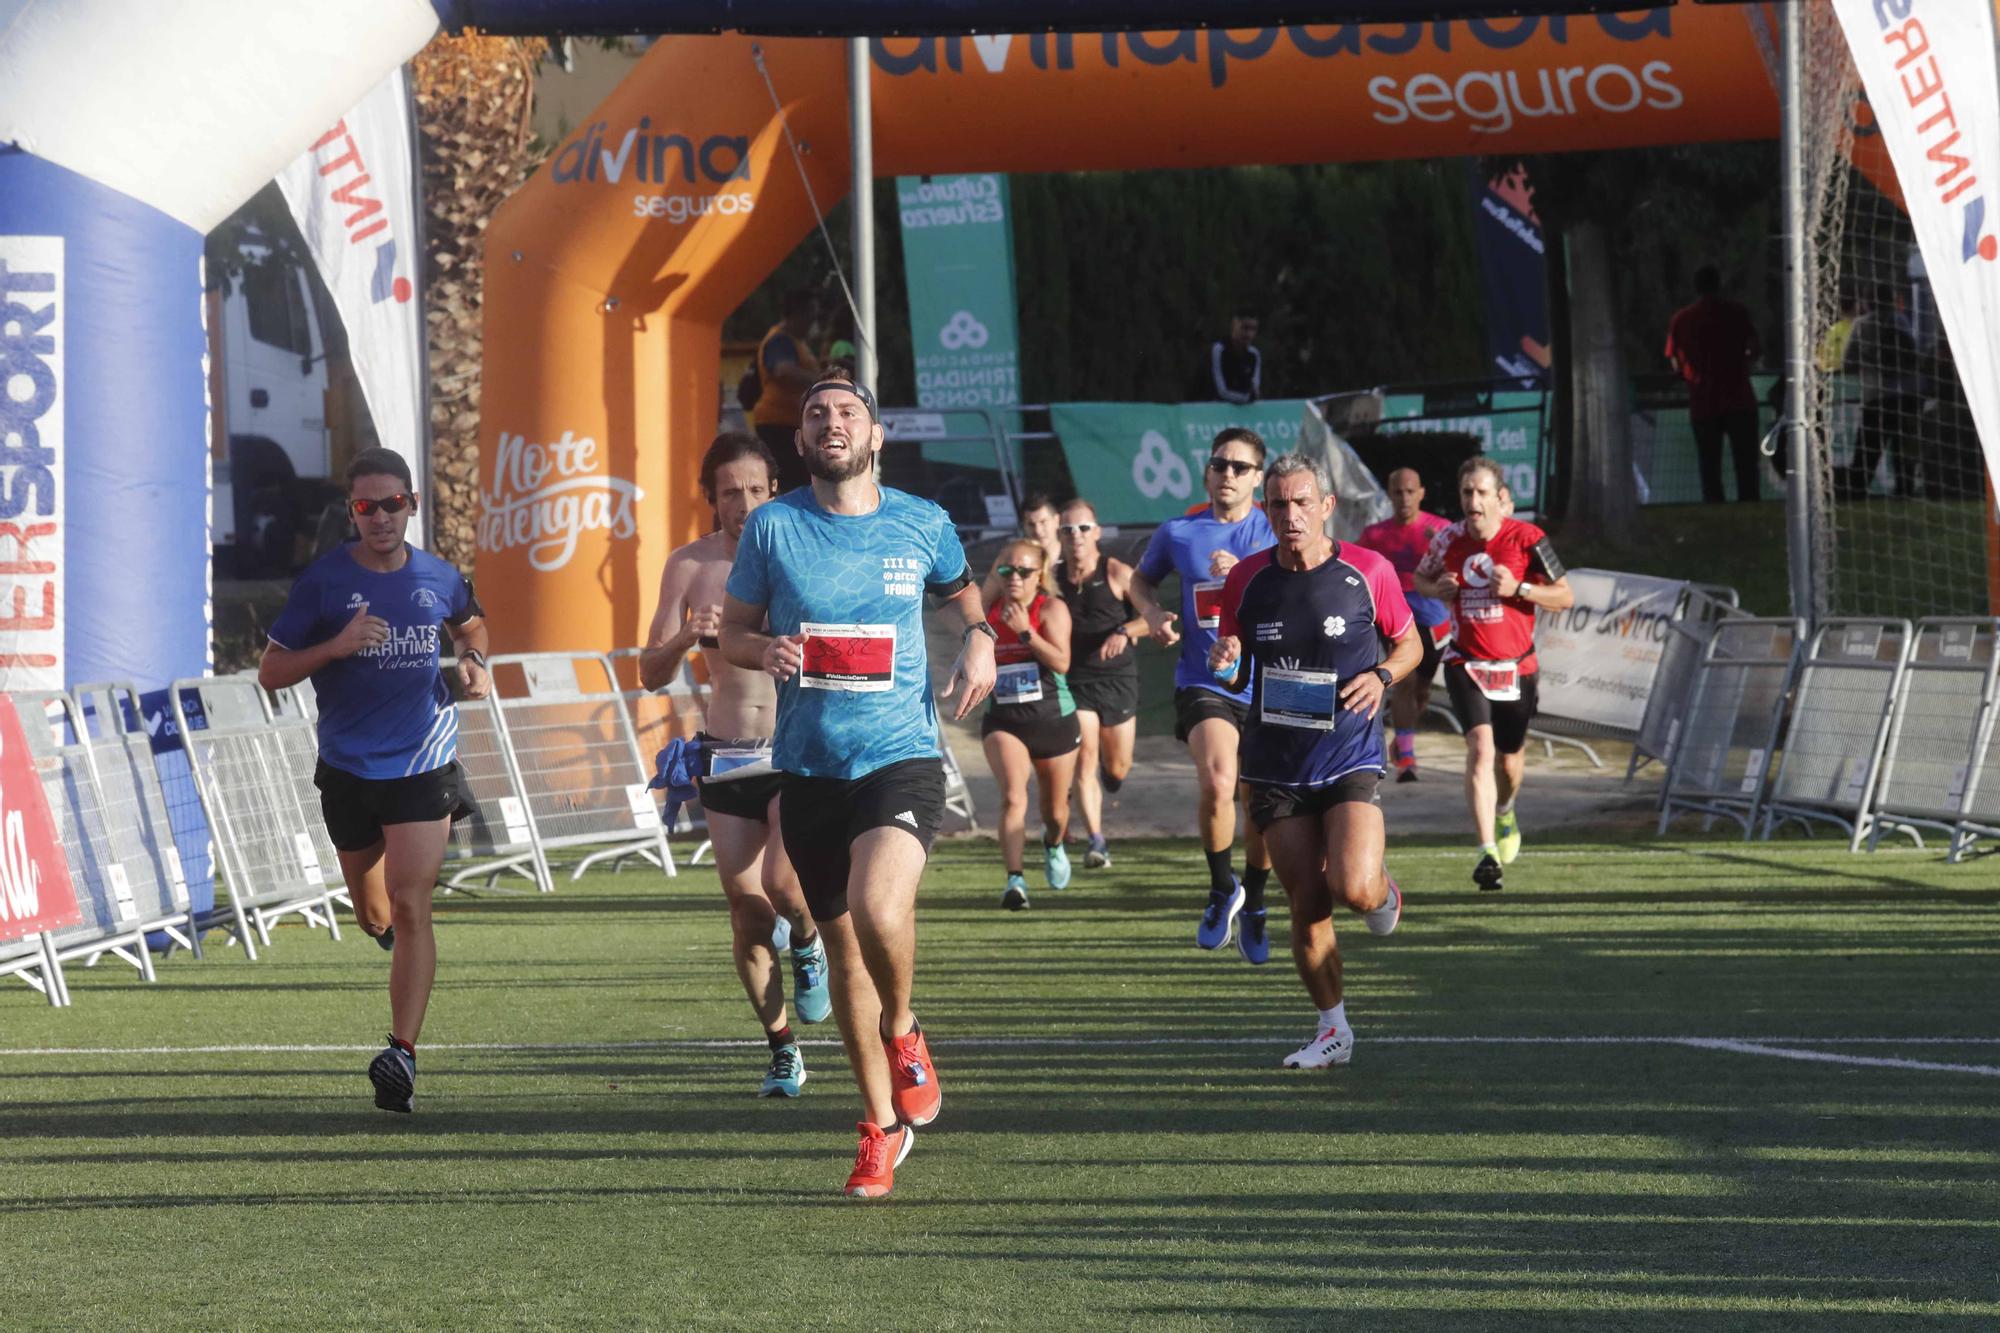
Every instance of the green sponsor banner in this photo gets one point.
(1511, 433)
(1142, 462)
(958, 264)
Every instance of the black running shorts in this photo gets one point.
(1114, 696)
(1192, 706)
(1509, 719)
(821, 817)
(1429, 637)
(355, 809)
(745, 798)
(1269, 804)
(1045, 737)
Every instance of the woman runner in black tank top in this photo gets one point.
(1104, 669)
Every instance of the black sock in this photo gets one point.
(1219, 876)
(782, 1037)
(1109, 783)
(407, 1048)
(804, 945)
(1254, 878)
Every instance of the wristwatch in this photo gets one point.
(1386, 676)
(980, 627)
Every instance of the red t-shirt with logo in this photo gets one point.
(1485, 626)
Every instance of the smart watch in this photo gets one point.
(1386, 676)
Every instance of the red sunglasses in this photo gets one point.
(394, 504)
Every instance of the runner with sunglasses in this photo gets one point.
(1103, 669)
(1030, 724)
(1202, 548)
(365, 622)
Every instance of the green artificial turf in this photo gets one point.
(1117, 1148)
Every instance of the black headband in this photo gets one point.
(846, 386)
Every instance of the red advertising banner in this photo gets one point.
(35, 889)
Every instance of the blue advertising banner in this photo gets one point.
(1512, 274)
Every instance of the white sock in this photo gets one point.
(1334, 1018)
(1490, 848)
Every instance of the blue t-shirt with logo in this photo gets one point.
(386, 712)
(854, 586)
(1183, 546)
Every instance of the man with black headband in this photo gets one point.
(364, 623)
(826, 595)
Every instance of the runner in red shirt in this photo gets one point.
(1496, 571)
(1403, 540)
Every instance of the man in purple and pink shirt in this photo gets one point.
(1402, 540)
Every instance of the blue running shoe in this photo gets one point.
(1055, 866)
(1251, 941)
(1220, 916)
(1015, 896)
(387, 939)
(394, 1074)
(1099, 855)
(787, 1073)
(810, 997)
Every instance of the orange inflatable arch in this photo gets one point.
(609, 274)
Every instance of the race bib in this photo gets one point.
(1017, 683)
(1208, 603)
(1309, 699)
(726, 763)
(1498, 681)
(860, 659)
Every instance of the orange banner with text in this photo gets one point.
(608, 275)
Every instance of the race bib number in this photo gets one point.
(1498, 681)
(730, 762)
(1208, 603)
(1017, 683)
(860, 659)
(1309, 699)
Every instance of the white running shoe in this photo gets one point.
(1335, 1046)
(1382, 921)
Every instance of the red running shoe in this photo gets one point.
(913, 1080)
(876, 1160)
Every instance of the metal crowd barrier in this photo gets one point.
(497, 833)
(135, 809)
(1702, 608)
(1722, 746)
(1939, 733)
(578, 758)
(107, 891)
(268, 848)
(1981, 817)
(1846, 690)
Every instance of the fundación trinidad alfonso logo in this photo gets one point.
(1334, 626)
(1479, 571)
(1157, 470)
(962, 331)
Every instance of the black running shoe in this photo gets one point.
(1487, 875)
(387, 939)
(394, 1074)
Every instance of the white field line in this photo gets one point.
(1827, 1057)
(1782, 1048)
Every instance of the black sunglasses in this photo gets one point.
(1024, 571)
(394, 504)
(1233, 466)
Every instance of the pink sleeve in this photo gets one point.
(1392, 612)
(1232, 595)
(1432, 564)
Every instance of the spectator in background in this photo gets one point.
(786, 368)
(1892, 388)
(1038, 525)
(1233, 370)
(1713, 343)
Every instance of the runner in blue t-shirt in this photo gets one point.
(1201, 548)
(839, 570)
(1327, 627)
(365, 622)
